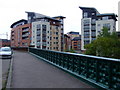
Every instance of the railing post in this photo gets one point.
(97, 70)
(67, 62)
(79, 63)
(87, 68)
(110, 75)
(73, 63)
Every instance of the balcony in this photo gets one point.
(25, 35)
(25, 30)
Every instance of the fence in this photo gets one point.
(103, 72)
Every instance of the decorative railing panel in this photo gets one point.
(103, 72)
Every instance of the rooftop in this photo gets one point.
(72, 32)
(40, 16)
(59, 17)
(22, 20)
(76, 38)
(108, 14)
(88, 8)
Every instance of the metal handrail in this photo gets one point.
(101, 71)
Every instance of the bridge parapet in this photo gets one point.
(103, 72)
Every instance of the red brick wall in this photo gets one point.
(16, 36)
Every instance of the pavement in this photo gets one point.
(5, 70)
(31, 72)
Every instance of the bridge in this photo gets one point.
(52, 69)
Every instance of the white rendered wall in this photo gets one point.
(34, 33)
(101, 22)
(82, 32)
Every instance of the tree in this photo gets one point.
(106, 45)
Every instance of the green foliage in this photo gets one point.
(106, 45)
(66, 50)
(72, 51)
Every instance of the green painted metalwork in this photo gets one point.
(104, 72)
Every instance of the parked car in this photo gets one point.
(5, 52)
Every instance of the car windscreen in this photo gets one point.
(5, 49)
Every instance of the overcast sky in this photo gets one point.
(14, 10)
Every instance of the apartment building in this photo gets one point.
(76, 44)
(47, 32)
(73, 34)
(92, 23)
(4, 42)
(67, 43)
(21, 34)
(106, 20)
(118, 33)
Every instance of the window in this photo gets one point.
(98, 25)
(86, 22)
(85, 15)
(56, 33)
(107, 25)
(38, 26)
(105, 18)
(93, 13)
(57, 27)
(56, 37)
(57, 48)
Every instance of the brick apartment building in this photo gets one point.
(39, 31)
(75, 40)
(4, 42)
(76, 44)
(21, 34)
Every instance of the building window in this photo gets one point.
(56, 33)
(86, 22)
(50, 38)
(57, 48)
(105, 18)
(93, 13)
(85, 15)
(38, 26)
(56, 37)
(107, 25)
(98, 25)
(57, 27)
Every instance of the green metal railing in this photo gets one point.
(103, 72)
